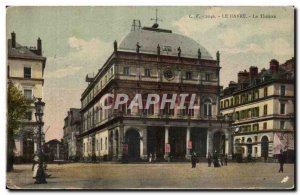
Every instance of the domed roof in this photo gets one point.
(169, 42)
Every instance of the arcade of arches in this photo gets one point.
(162, 141)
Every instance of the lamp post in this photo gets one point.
(39, 112)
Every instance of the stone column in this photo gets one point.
(209, 143)
(198, 111)
(230, 144)
(226, 143)
(156, 109)
(121, 141)
(145, 151)
(166, 140)
(188, 135)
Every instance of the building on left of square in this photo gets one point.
(25, 69)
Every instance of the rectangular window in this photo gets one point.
(188, 75)
(265, 125)
(207, 76)
(147, 72)
(7, 71)
(237, 116)
(28, 116)
(254, 127)
(281, 125)
(265, 110)
(265, 91)
(126, 71)
(97, 145)
(27, 72)
(282, 108)
(106, 143)
(101, 144)
(28, 94)
(282, 90)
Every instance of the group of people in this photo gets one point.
(217, 160)
(152, 158)
(35, 165)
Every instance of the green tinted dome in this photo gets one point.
(149, 38)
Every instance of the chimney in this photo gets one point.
(253, 70)
(274, 65)
(243, 76)
(13, 40)
(39, 46)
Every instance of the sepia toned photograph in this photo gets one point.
(150, 98)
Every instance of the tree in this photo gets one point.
(17, 105)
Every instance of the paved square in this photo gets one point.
(161, 176)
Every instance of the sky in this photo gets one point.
(78, 40)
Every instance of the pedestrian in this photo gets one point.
(281, 160)
(248, 157)
(222, 159)
(265, 157)
(194, 160)
(150, 158)
(209, 159)
(226, 159)
(216, 159)
(35, 165)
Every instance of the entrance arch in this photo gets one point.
(219, 142)
(132, 137)
(264, 146)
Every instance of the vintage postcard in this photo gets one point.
(164, 98)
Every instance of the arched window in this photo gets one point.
(207, 107)
(150, 110)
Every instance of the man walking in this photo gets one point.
(281, 160)
(194, 160)
(209, 159)
(216, 159)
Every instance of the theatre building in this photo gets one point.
(151, 60)
(262, 107)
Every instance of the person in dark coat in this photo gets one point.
(281, 160)
(216, 160)
(209, 159)
(226, 159)
(194, 160)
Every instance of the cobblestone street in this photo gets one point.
(163, 176)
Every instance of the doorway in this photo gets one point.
(132, 138)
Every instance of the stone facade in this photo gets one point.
(72, 128)
(262, 107)
(25, 69)
(138, 133)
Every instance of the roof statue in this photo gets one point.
(158, 49)
(138, 47)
